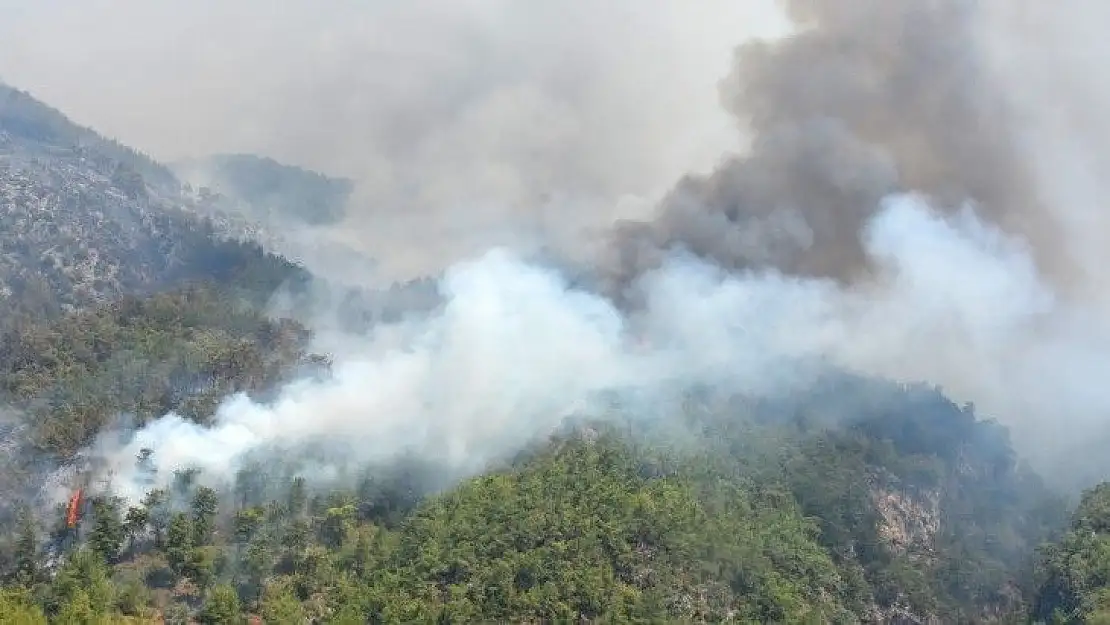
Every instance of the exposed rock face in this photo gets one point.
(910, 522)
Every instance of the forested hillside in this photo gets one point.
(1074, 573)
(267, 190)
(905, 507)
(85, 220)
(858, 500)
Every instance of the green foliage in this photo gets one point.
(179, 542)
(1074, 572)
(81, 590)
(17, 608)
(753, 519)
(155, 509)
(181, 351)
(26, 556)
(578, 534)
(907, 464)
(204, 507)
(108, 530)
(221, 607)
(136, 521)
(857, 498)
(280, 605)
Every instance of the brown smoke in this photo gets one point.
(867, 97)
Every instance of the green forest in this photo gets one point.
(861, 501)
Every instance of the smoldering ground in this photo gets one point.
(897, 213)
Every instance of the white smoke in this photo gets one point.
(514, 350)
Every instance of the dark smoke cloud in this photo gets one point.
(868, 97)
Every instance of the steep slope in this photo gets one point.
(888, 505)
(267, 190)
(923, 504)
(289, 211)
(85, 220)
(1074, 572)
(31, 127)
(65, 382)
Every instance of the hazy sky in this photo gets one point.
(466, 123)
(345, 86)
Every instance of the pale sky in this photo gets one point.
(465, 123)
(344, 85)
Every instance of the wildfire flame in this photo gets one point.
(73, 508)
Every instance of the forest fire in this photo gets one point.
(73, 510)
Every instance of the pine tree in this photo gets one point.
(26, 550)
(279, 605)
(221, 607)
(135, 523)
(298, 497)
(81, 589)
(179, 542)
(205, 503)
(158, 515)
(108, 531)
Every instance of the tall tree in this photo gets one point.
(204, 508)
(221, 607)
(108, 531)
(26, 550)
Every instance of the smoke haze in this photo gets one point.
(906, 189)
(465, 124)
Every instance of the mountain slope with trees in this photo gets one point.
(906, 509)
(85, 220)
(266, 190)
(858, 500)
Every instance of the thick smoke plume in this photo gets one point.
(867, 98)
(897, 213)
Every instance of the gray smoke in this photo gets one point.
(868, 97)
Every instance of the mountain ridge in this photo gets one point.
(87, 220)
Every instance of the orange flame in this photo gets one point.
(74, 506)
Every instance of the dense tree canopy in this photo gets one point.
(794, 510)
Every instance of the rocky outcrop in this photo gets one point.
(909, 521)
